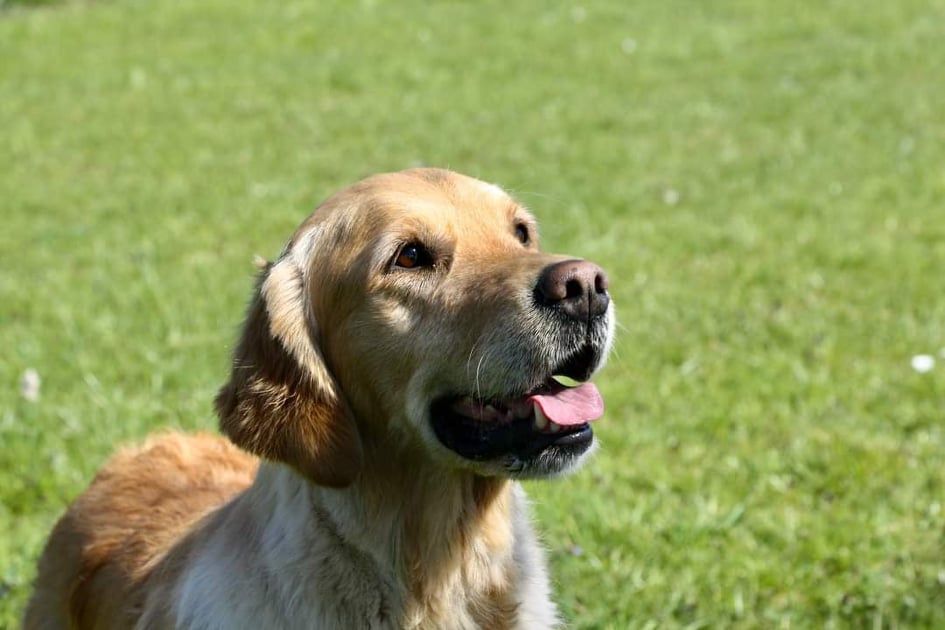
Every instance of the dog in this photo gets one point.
(398, 371)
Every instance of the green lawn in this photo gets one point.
(764, 182)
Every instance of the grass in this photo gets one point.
(763, 183)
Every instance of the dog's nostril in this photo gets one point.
(573, 289)
(600, 283)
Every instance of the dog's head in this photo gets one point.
(414, 312)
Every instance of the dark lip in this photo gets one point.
(483, 441)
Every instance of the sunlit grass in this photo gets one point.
(763, 183)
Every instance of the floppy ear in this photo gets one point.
(281, 402)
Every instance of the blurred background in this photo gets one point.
(764, 183)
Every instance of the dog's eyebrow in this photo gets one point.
(517, 211)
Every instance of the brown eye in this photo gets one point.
(521, 233)
(412, 256)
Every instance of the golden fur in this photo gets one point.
(353, 519)
(115, 539)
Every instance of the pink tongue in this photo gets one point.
(570, 405)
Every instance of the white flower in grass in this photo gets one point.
(923, 363)
(29, 385)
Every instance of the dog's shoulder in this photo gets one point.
(139, 505)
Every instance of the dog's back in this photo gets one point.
(114, 536)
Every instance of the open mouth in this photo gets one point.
(552, 416)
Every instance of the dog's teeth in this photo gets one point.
(541, 422)
(553, 428)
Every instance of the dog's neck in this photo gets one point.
(443, 538)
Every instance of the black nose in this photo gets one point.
(575, 287)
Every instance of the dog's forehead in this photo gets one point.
(436, 198)
(418, 201)
(444, 197)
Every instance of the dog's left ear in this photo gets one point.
(281, 402)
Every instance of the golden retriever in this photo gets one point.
(394, 379)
